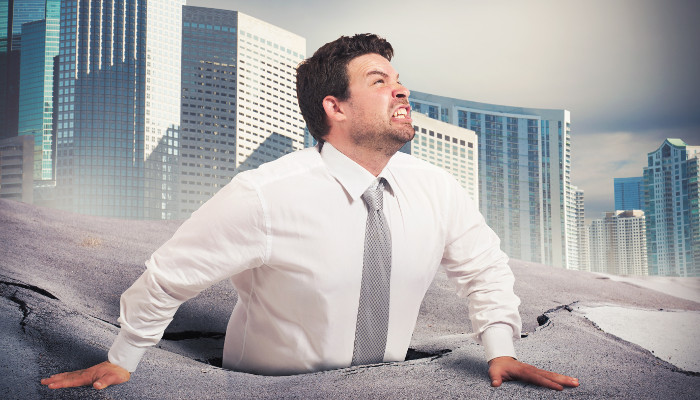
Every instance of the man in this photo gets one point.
(331, 249)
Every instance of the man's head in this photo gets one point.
(326, 74)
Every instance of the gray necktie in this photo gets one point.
(373, 311)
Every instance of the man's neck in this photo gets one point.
(373, 160)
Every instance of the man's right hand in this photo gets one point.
(99, 376)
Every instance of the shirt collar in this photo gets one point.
(351, 175)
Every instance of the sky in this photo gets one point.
(627, 70)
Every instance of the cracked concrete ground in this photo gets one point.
(61, 276)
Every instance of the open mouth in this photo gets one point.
(401, 113)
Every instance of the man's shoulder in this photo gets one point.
(406, 163)
(298, 163)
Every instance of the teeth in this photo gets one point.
(400, 113)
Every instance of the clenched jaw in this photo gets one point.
(402, 113)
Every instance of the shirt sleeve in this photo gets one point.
(479, 270)
(225, 236)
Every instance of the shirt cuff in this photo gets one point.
(125, 354)
(498, 342)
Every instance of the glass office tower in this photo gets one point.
(629, 193)
(118, 107)
(13, 14)
(239, 106)
(39, 47)
(525, 187)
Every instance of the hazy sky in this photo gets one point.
(627, 70)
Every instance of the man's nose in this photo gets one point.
(400, 91)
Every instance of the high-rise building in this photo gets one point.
(239, 106)
(13, 14)
(583, 259)
(618, 243)
(39, 47)
(16, 168)
(449, 147)
(524, 174)
(671, 208)
(118, 107)
(629, 193)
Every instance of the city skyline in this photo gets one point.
(625, 70)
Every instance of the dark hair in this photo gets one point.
(326, 74)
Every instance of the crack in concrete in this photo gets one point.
(105, 321)
(187, 335)
(544, 320)
(33, 288)
(22, 307)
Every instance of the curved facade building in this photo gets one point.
(525, 190)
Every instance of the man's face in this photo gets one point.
(378, 112)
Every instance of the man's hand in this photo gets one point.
(509, 369)
(99, 376)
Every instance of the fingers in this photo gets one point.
(68, 379)
(536, 377)
(113, 377)
(99, 376)
(561, 380)
(510, 369)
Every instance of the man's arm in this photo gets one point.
(224, 237)
(479, 269)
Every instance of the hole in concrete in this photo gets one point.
(215, 361)
(413, 354)
(542, 319)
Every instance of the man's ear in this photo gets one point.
(334, 109)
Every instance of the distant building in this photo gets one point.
(13, 14)
(629, 193)
(671, 209)
(118, 106)
(238, 107)
(583, 248)
(618, 243)
(40, 41)
(449, 147)
(525, 190)
(17, 168)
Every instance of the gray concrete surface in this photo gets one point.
(61, 276)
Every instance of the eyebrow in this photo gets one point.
(380, 73)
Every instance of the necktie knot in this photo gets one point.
(374, 196)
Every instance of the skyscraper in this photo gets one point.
(618, 243)
(118, 107)
(449, 147)
(13, 14)
(239, 105)
(671, 209)
(39, 47)
(629, 193)
(583, 247)
(524, 174)
(16, 168)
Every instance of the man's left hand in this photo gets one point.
(509, 369)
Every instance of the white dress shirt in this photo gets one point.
(290, 236)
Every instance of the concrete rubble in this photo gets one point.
(61, 276)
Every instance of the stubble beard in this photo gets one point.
(386, 138)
